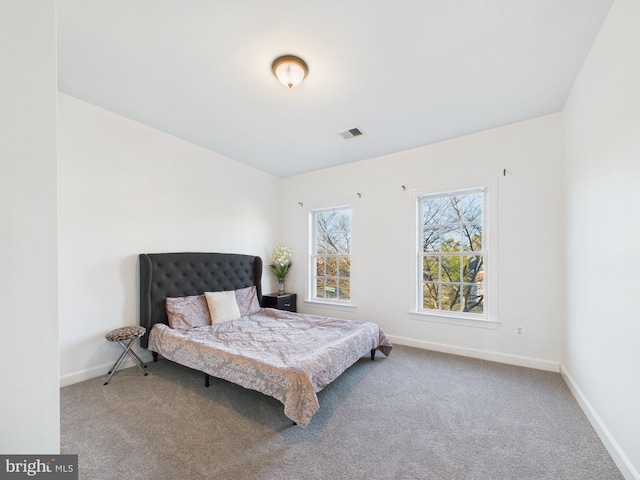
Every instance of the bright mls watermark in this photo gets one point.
(51, 467)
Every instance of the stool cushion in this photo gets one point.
(124, 333)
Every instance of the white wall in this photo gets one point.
(116, 176)
(126, 189)
(29, 404)
(529, 237)
(601, 353)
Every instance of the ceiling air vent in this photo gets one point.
(352, 132)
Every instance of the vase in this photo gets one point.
(281, 286)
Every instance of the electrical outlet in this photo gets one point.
(520, 330)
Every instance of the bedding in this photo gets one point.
(288, 356)
(188, 312)
(247, 299)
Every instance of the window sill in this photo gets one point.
(454, 320)
(332, 305)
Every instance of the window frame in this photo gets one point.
(489, 233)
(312, 274)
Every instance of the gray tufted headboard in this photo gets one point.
(165, 275)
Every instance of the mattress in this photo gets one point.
(288, 356)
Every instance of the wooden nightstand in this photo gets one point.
(282, 301)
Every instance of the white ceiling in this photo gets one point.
(407, 73)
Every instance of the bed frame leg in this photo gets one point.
(206, 380)
(155, 356)
(373, 354)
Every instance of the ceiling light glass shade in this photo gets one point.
(289, 70)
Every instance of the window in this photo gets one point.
(452, 253)
(331, 255)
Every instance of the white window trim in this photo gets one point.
(335, 304)
(309, 297)
(490, 235)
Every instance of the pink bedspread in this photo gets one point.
(288, 356)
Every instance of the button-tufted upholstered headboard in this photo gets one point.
(165, 275)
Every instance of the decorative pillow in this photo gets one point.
(223, 306)
(247, 300)
(187, 312)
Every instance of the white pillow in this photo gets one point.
(223, 306)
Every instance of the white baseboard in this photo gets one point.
(100, 370)
(517, 360)
(618, 456)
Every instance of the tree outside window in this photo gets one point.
(331, 255)
(452, 256)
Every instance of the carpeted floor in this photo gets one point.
(415, 415)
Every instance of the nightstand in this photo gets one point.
(281, 301)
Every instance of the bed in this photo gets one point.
(288, 356)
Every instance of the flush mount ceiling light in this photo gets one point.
(290, 70)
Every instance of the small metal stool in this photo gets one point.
(121, 335)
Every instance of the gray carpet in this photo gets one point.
(414, 415)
